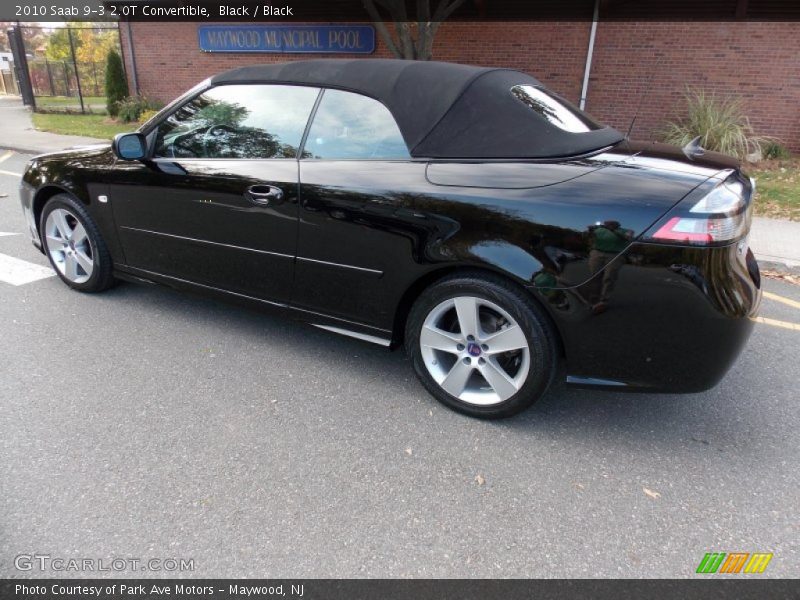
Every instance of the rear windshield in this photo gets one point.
(555, 110)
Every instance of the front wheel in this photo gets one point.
(481, 345)
(74, 245)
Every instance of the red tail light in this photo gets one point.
(721, 216)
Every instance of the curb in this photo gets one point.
(22, 150)
(779, 267)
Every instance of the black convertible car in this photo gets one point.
(498, 232)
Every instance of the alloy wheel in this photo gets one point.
(475, 350)
(69, 246)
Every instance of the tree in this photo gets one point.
(116, 83)
(95, 44)
(414, 39)
(58, 45)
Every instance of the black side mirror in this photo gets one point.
(129, 146)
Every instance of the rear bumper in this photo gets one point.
(674, 319)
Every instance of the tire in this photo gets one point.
(74, 246)
(494, 382)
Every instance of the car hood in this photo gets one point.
(76, 152)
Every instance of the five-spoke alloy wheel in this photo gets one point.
(69, 245)
(74, 245)
(481, 345)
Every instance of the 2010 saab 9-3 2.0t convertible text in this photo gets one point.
(498, 232)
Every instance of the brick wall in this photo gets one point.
(756, 61)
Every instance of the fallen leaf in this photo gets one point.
(479, 479)
(651, 494)
(409, 451)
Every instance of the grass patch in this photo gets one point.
(96, 126)
(777, 188)
(97, 104)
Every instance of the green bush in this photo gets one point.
(774, 149)
(147, 114)
(116, 83)
(133, 107)
(720, 123)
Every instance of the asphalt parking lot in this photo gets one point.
(142, 423)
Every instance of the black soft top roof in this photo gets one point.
(444, 110)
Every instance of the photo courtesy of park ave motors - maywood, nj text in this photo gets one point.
(389, 297)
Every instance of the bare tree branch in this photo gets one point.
(381, 27)
(407, 45)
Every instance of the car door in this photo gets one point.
(216, 204)
(358, 231)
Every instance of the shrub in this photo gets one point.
(116, 83)
(147, 114)
(133, 107)
(774, 149)
(720, 123)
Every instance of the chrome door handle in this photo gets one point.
(264, 194)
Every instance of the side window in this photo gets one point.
(238, 121)
(348, 125)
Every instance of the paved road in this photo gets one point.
(142, 423)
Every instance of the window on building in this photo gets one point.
(352, 126)
(238, 121)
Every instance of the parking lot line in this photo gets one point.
(777, 298)
(19, 272)
(776, 323)
(6, 156)
(2, 172)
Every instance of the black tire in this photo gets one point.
(101, 277)
(537, 328)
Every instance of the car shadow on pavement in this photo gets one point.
(702, 420)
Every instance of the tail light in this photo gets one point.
(719, 217)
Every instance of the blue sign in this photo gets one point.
(338, 39)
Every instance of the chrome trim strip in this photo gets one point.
(134, 270)
(319, 314)
(359, 336)
(575, 380)
(333, 264)
(203, 285)
(189, 239)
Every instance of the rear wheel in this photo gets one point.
(481, 345)
(74, 245)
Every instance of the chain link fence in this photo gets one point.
(66, 66)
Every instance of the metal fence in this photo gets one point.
(64, 85)
(61, 77)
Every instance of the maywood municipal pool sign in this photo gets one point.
(349, 39)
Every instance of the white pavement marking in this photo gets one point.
(2, 172)
(19, 272)
(6, 156)
(4, 233)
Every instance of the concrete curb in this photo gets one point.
(783, 268)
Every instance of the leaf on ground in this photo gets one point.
(479, 479)
(651, 493)
(409, 451)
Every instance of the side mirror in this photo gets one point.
(129, 146)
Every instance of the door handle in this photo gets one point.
(268, 195)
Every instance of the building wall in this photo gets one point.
(757, 61)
